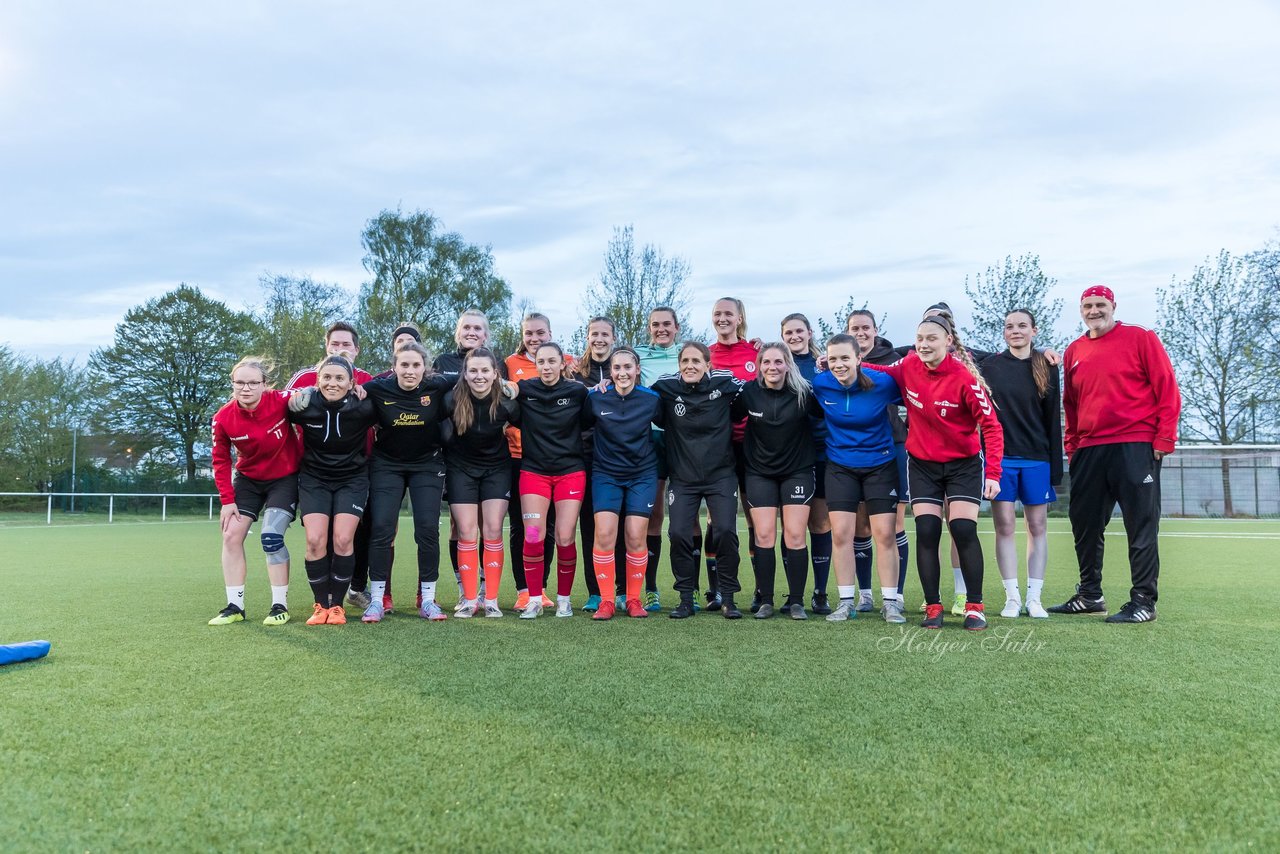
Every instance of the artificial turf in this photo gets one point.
(147, 729)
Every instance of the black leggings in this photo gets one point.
(387, 486)
(964, 532)
(683, 500)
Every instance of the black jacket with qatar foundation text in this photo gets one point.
(699, 425)
(409, 421)
(551, 425)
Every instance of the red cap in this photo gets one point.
(1099, 291)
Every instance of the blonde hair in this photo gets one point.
(584, 366)
(742, 314)
(797, 384)
(471, 312)
(261, 364)
(813, 345)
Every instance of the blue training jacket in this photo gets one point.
(858, 431)
(623, 431)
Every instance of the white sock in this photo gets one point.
(280, 595)
(428, 589)
(888, 594)
(959, 579)
(848, 592)
(1011, 588)
(377, 589)
(1034, 586)
(235, 596)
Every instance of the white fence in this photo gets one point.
(111, 497)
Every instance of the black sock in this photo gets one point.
(821, 561)
(904, 552)
(765, 564)
(453, 556)
(965, 534)
(862, 562)
(340, 577)
(928, 535)
(318, 578)
(654, 542)
(795, 562)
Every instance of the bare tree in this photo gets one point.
(1015, 283)
(633, 282)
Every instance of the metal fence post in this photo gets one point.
(164, 508)
(111, 509)
(211, 503)
(48, 516)
(1182, 486)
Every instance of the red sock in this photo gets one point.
(637, 563)
(468, 554)
(494, 556)
(606, 572)
(533, 567)
(566, 568)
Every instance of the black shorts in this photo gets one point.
(332, 497)
(254, 496)
(465, 485)
(788, 490)
(937, 483)
(820, 479)
(877, 486)
(740, 472)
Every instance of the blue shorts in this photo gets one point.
(1026, 481)
(626, 496)
(900, 454)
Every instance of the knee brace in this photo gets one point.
(274, 523)
(532, 531)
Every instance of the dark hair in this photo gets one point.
(1039, 364)
(625, 351)
(463, 413)
(407, 327)
(413, 347)
(861, 312)
(864, 382)
(668, 309)
(341, 361)
(700, 347)
(343, 326)
(545, 344)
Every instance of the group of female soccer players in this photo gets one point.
(609, 443)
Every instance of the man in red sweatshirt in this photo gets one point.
(1122, 404)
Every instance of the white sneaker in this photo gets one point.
(564, 608)
(465, 610)
(492, 610)
(844, 611)
(532, 610)
(1012, 607)
(1035, 609)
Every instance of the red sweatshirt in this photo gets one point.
(1120, 387)
(266, 447)
(945, 407)
(739, 359)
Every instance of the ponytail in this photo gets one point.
(966, 359)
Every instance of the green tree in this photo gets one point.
(293, 317)
(1015, 283)
(423, 274)
(632, 282)
(167, 371)
(839, 321)
(43, 403)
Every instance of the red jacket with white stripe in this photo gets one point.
(1120, 387)
(266, 447)
(945, 408)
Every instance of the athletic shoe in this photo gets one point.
(466, 612)
(844, 611)
(604, 612)
(819, 604)
(932, 617)
(564, 609)
(866, 605)
(1012, 607)
(546, 600)
(228, 615)
(358, 599)
(593, 602)
(417, 603)
(278, 616)
(1078, 604)
(765, 611)
(756, 602)
(635, 609)
(619, 603)
(461, 603)
(373, 614)
(683, 611)
(319, 616)
(714, 600)
(492, 611)
(1132, 612)
(337, 616)
(1036, 610)
(957, 607)
(431, 611)
(697, 594)
(974, 618)
(730, 610)
(387, 604)
(522, 599)
(651, 601)
(532, 609)
(796, 612)
(892, 611)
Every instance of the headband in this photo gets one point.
(401, 330)
(340, 362)
(1099, 291)
(940, 320)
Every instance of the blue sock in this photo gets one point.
(862, 561)
(903, 551)
(821, 556)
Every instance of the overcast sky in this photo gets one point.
(795, 153)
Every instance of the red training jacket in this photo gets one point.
(739, 359)
(945, 407)
(1120, 387)
(266, 447)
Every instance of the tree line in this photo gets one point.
(166, 371)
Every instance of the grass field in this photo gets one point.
(145, 728)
